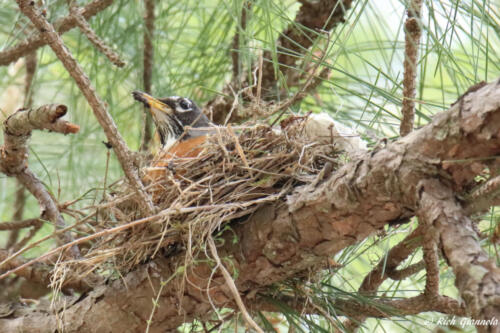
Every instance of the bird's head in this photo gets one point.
(172, 115)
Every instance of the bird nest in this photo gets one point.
(237, 171)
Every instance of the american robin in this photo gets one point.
(180, 123)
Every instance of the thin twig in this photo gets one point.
(95, 40)
(147, 74)
(429, 246)
(98, 106)
(379, 273)
(62, 25)
(412, 41)
(232, 287)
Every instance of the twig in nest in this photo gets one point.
(232, 286)
(412, 40)
(103, 117)
(86, 29)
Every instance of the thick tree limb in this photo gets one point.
(62, 25)
(74, 69)
(276, 243)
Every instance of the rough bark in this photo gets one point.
(388, 185)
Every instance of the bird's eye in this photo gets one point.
(185, 104)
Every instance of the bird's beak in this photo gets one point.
(151, 102)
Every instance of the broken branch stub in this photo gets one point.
(17, 130)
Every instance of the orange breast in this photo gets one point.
(186, 148)
(183, 149)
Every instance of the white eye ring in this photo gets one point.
(185, 104)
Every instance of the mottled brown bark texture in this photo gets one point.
(415, 174)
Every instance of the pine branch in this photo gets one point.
(62, 25)
(103, 117)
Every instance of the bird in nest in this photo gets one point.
(181, 125)
(183, 128)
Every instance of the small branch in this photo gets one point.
(379, 307)
(412, 40)
(29, 236)
(20, 198)
(232, 287)
(147, 74)
(387, 266)
(393, 259)
(62, 25)
(295, 41)
(14, 155)
(13, 225)
(484, 197)
(17, 130)
(122, 152)
(401, 274)
(431, 259)
(95, 40)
